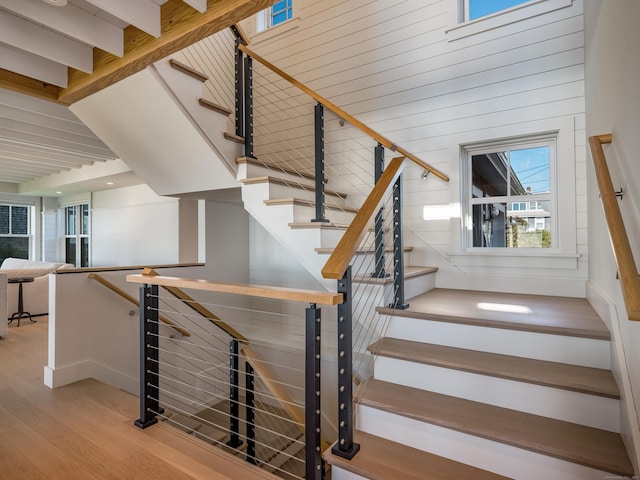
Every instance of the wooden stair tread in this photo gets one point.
(233, 137)
(279, 181)
(214, 106)
(531, 313)
(363, 251)
(192, 72)
(276, 168)
(409, 272)
(576, 378)
(307, 203)
(320, 225)
(591, 447)
(382, 459)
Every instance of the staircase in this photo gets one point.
(516, 386)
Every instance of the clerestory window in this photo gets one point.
(474, 9)
(278, 13)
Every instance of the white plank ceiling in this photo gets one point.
(40, 39)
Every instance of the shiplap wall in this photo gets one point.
(392, 65)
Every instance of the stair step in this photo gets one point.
(275, 168)
(233, 137)
(409, 272)
(308, 203)
(531, 313)
(301, 186)
(192, 72)
(364, 251)
(587, 446)
(593, 381)
(382, 459)
(215, 107)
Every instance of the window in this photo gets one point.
(278, 13)
(509, 192)
(474, 9)
(15, 231)
(76, 235)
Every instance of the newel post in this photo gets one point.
(379, 270)
(319, 162)
(345, 446)
(313, 462)
(398, 249)
(149, 358)
(239, 88)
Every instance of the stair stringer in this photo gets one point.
(141, 120)
(187, 92)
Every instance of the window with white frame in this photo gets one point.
(508, 187)
(76, 234)
(15, 231)
(278, 13)
(474, 9)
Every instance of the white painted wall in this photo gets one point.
(401, 68)
(613, 106)
(133, 226)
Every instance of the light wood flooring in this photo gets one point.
(85, 431)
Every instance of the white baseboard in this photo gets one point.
(55, 377)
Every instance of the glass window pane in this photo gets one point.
(19, 220)
(4, 219)
(85, 219)
(481, 8)
(70, 224)
(84, 252)
(530, 169)
(489, 174)
(16, 247)
(70, 250)
(489, 225)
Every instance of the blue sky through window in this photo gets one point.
(532, 167)
(281, 11)
(481, 8)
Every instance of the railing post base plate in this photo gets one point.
(142, 424)
(348, 454)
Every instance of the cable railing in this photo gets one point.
(627, 269)
(262, 406)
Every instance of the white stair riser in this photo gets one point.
(591, 410)
(555, 348)
(503, 459)
(338, 473)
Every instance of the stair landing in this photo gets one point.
(534, 313)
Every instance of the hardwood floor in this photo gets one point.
(85, 430)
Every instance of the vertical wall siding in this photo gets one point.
(392, 65)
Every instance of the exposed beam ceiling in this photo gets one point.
(64, 53)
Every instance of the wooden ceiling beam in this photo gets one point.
(28, 86)
(181, 26)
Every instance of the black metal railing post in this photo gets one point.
(234, 395)
(398, 249)
(149, 366)
(250, 412)
(239, 71)
(379, 271)
(345, 446)
(248, 107)
(319, 162)
(313, 461)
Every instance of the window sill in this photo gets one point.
(499, 19)
(276, 30)
(495, 259)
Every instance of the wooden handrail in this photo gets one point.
(627, 270)
(123, 268)
(341, 113)
(278, 293)
(193, 304)
(136, 302)
(350, 241)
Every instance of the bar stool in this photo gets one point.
(20, 313)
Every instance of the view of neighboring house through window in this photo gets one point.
(510, 200)
(481, 8)
(278, 13)
(76, 235)
(15, 235)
